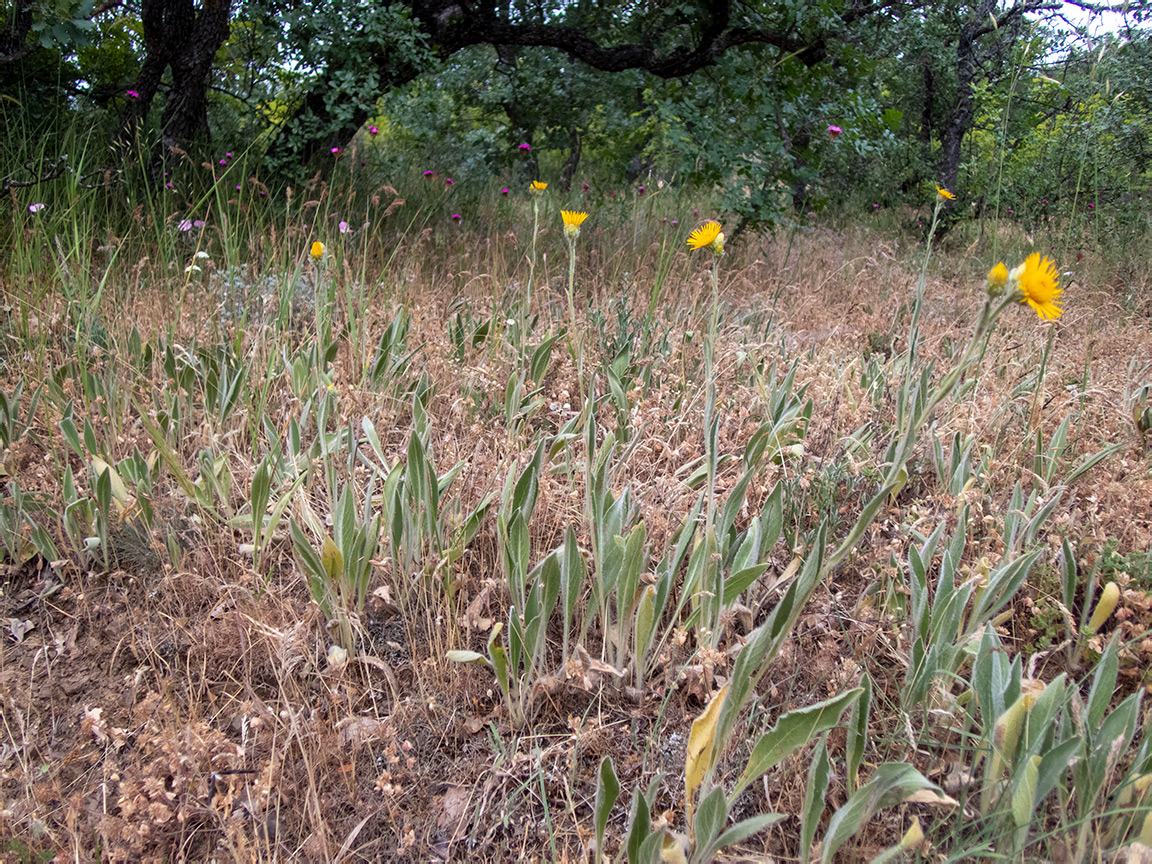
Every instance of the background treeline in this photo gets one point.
(1010, 105)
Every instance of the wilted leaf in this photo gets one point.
(19, 629)
(700, 742)
(453, 804)
(934, 799)
(590, 671)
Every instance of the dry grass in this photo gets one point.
(185, 710)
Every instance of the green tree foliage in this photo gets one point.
(998, 101)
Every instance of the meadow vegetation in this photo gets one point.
(340, 526)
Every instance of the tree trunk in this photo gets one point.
(179, 37)
(798, 150)
(961, 113)
(14, 44)
(976, 58)
(573, 161)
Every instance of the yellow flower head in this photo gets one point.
(708, 236)
(997, 279)
(537, 188)
(944, 195)
(317, 250)
(1036, 283)
(572, 221)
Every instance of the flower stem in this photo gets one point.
(713, 603)
(532, 261)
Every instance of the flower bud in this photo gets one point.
(1109, 597)
(997, 280)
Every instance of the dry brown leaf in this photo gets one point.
(356, 731)
(590, 671)
(473, 617)
(453, 805)
(935, 799)
(1136, 853)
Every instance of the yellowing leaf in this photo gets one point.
(914, 836)
(120, 497)
(673, 851)
(332, 560)
(700, 741)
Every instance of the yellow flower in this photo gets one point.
(944, 195)
(997, 279)
(708, 236)
(317, 250)
(1036, 282)
(572, 221)
(537, 188)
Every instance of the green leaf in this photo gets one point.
(607, 791)
(709, 822)
(891, 784)
(1054, 763)
(1024, 793)
(791, 732)
(819, 773)
(743, 830)
(737, 583)
(261, 491)
(640, 825)
(858, 734)
(1103, 683)
(467, 657)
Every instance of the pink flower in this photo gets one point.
(525, 147)
(1091, 206)
(35, 208)
(640, 189)
(335, 151)
(132, 94)
(834, 132)
(223, 161)
(504, 192)
(427, 173)
(229, 155)
(372, 130)
(197, 223)
(343, 227)
(875, 206)
(185, 225)
(456, 217)
(586, 187)
(448, 181)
